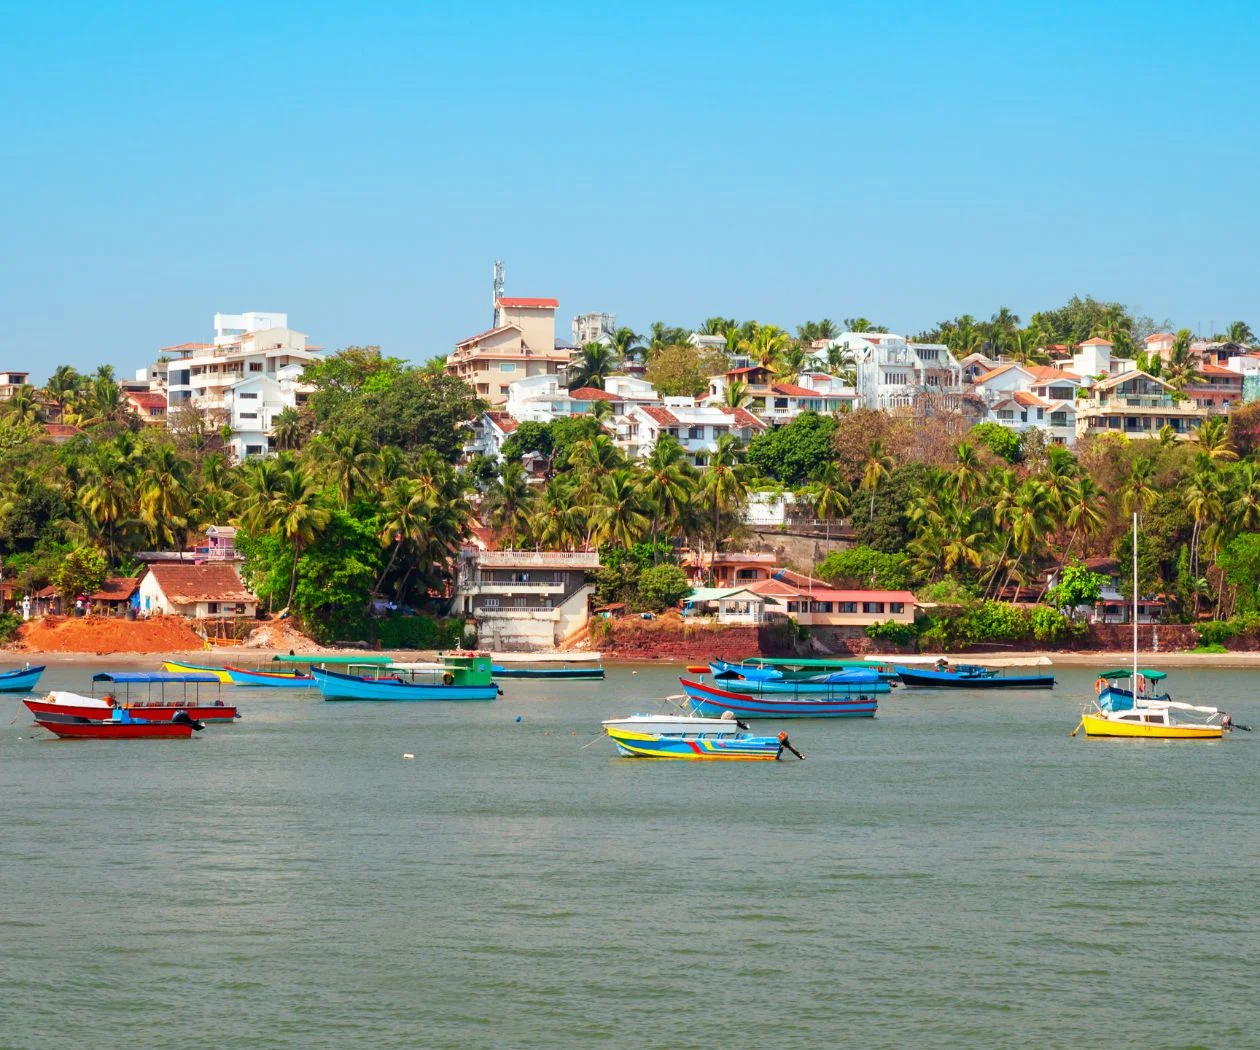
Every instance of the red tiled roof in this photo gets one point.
(503, 421)
(1209, 369)
(1046, 372)
(61, 430)
(832, 594)
(527, 303)
(146, 399)
(187, 346)
(486, 334)
(994, 373)
(592, 393)
(661, 415)
(214, 582)
(792, 390)
(1154, 336)
(743, 417)
(1029, 400)
(116, 589)
(1096, 341)
(774, 589)
(746, 370)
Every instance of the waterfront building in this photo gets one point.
(729, 568)
(524, 600)
(211, 590)
(1136, 405)
(789, 595)
(521, 344)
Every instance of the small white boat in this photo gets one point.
(675, 725)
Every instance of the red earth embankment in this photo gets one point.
(103, 634)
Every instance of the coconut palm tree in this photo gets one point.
(829, 493)
(287, 430)
(766, 343)
(1244, 508)
(1139, 492)
(875, 471)
(23, 404)
(627, 344)
(619, 518)
(406, 514)
(1203, 495)
(724, 484)
(62, 387)
(1212, 436)
(793, 359)
(508, 502)
(299, 515)
(667, 481)
(592, 366)
(736, 394)
(842, 364)
(1240, 332)
(967, 477)
(105, 401)
(556, 523)
(164, 496)
(347, 458)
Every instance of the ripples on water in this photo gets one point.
(957, 872)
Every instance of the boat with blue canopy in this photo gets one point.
(711, 700)
(971, 676)
(804, 668)
(150, 694)
(21, 680)
(1115, 689)
(859, 680)
(458, 676)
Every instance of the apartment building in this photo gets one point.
(1136, 405)
(521, 344)
(894, 373)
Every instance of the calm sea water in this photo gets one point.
(955, 873)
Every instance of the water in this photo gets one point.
(955, 873)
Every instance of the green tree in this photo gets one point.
(83, 571)
(662, 587)
(796, 452)
(680, 370)
(999, 440)
(592, 366)
(1077, 586)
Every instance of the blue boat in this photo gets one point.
(580, 673)
(861, 681)
(22, 680)
(1113, 697)
(972, 676)
(268, 679)
(683, 737)
(465, 676)
(812, 671)
(712, 701)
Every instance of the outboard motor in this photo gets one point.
(184, 718)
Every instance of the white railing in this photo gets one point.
(511, 587)
(551, 559)
(517, 612)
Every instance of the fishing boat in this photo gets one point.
(458, 676)
(1136, 714)
(972, 676)
(152, 703)
(578, 673)
(858, 682)
(121, 725)
(691, 738)
(177, 667)
(711, 701)
(322, 660)
(803, 668)
(23, 680)
(269, 679)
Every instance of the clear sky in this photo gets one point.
(361, 165)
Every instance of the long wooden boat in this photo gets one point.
(458, 676)
(176, 667)
(339, 660)
(711, 701)
(269, 679)
(63, 705)
(562, 674)
(110, 730)
(970, 677)
(805, 667)
(23, 680)
(858, 682)
(691, 739)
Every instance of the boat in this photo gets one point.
(152, 703)
(23, 680)
(972, 676)
(859, 682)
(691, 738)
(269, 679)
(177, 667)
(458, 676)
(1134, 713)
(805, 668)
(121, 725)
(320, 660)
(711, 700)
(578, 673)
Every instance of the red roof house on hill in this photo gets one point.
(214, 589)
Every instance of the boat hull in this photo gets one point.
(333, 686)
(949, 680)
(1095, 725)
(22, 680)
(149, 712)
(803, 690)
(710, 702)
(269, 679)
(116, 730)
(175, 667)
(740, 748)
(563, 674)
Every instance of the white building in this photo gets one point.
(593, 328)
(1027, 397)
(892, 372)
(697, 427)
(1093, 359)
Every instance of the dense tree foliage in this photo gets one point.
(796, 452)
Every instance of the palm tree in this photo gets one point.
(105, 401)
(1212, 436)
(1244, 509)
(23, 404)
(595, 363)
(875, 471)
(556, 523)
(508, 503)
(1030, 519)
(668, 481)
(1167, 436)
(286, 429)
(968, 476)
(406, 509)
(348, 458)
(765, 343)
(1139, 492)
(724, 484)
(829, 493)
(601, 410)
(1203, 495)
(619, 517)
(736, 394)
(164, 496)
(842, 364)
(299, 516)
(1240, 332)
(627, 344)
(790, 363)
(61, 388)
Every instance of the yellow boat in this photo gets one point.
(1147, 723)
(175, 667)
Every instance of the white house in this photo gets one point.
(697, 427)
(1024, 397)
(892, 372)
(200, 591)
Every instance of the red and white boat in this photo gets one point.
(62, 705)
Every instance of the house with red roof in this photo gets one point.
(773, 400)
(149, 406)
(521, 343)
(696, 427)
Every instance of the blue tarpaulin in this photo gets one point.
(151, 677)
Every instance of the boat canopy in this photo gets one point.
(317, 659)
(1150, 676)
(152, 677)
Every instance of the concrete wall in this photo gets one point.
(799, 548)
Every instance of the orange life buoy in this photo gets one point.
(1141, 684)
(448, 678)
(1098, 686)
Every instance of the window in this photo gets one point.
(1041, 413)
(253, 450)
(249, 415)
(507, 366)
(503, 390)
(247, 397)
(255, 366)
(847, 607)
(519, 602)
(212, 607)
(1058, 419)
(490, 603)
(695, 433)
(896, 607)
(1005, 413)
(873, 607)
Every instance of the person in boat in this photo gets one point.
(109, 699)
(942, 664)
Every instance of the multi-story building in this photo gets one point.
(149, 406)
(1136, 405)
(525, 600)
(1216, 388)
(10, 382)
(593, 328)
(521, 344)
(1028, 397)
(696, 427)
(779, 402)
(893, 372)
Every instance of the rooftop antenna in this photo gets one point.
(498, 290)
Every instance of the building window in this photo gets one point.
(249, 415)
(896, 607)
(255, 366)
(695, 433)
(490, 603)
(873, 607)
(507, 366)
(848, 607)
(503, 390)
(1006, 413)
(212, 607)
(253, 450)
(247, 397)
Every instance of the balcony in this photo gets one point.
(517, 612)
(538, 559)
(487, 586)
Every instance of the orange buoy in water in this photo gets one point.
(697, 668)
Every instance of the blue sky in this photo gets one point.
(362, 165)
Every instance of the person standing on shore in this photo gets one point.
(26, 607)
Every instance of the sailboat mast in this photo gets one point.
(1135, 604)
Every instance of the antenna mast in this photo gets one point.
(498, 290)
